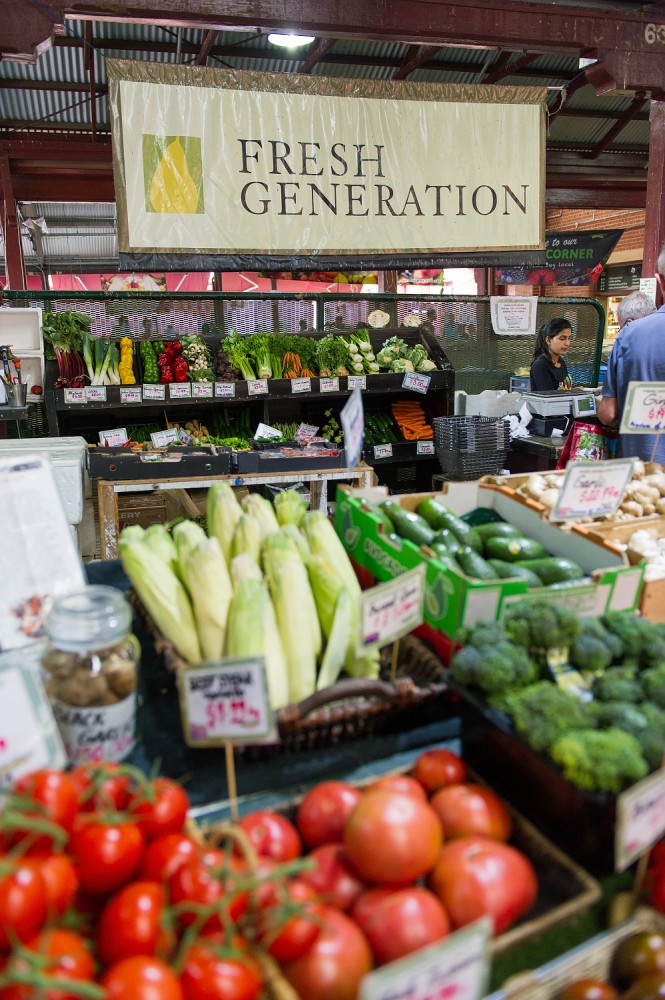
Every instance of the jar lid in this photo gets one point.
(89, 619)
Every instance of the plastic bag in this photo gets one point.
(588, 442)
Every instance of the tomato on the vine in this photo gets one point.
(288, 938)
(160, 808)
(102, 786)
(60, 880)
(59, 954)
(106, 855)
(272, 835)
(55, 800)
(208, 884)
(130, 923)
(141, 978)
(165, 854)
(211, 973)
(324, 810)
(23, 901)
(333, 877)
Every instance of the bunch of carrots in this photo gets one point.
(410, 417)
(293, 368)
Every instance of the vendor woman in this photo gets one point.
(548, 368)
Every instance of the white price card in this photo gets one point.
(131, 395)
(179, 390)
(226, 701)
(644, 409)
(640, 819)
(328, 385)
(424, 447)
(352, 419)
(357, 382)
(75, 396)
(264, 432)
(257, 386)
(301, 385)
(157, 392)
(115, 438)
(416, 381)
(392, 609)
(456, 968)
(95, 393)
(305, 433)
(592, 489)
(383, 451)
(29, 737)
(202, 390)
(161, 439)
(225, 389)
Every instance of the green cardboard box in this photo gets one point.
(453, 600)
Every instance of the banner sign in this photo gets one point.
(237, 163)
(571, 258)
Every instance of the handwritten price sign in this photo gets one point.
(592, 489)
(640, 819)
(29, 737)
(226, 702)
(392, 609)
(454, 969)
(644, 411)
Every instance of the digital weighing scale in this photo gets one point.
(557, 409)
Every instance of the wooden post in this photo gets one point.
(231, 779)
(654, 216)
(14, 263)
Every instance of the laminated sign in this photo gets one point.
(239, 164)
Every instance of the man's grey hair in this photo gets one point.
(660, 263)
(634, 306)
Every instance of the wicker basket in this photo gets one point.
(590, 960)
(348, 709)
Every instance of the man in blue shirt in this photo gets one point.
(638, 355)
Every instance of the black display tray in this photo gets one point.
(581, 822)
(265, 463)
(165, 463)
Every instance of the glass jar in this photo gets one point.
(90, 669)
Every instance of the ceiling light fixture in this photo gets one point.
(290, 41)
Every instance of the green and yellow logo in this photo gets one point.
(173, 174)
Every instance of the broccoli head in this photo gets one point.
(542, 625)
(605, 760)
(621, 714)
(493, 668)
(617, 684)
(594, 628)
(542, 712)
(482, 634)
(641, 640)
(653, 684)
(590, 653)
(652, 739)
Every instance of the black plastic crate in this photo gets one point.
(471, 434)
(470, 465)
(167, 463)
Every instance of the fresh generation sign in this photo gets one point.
(209, 161)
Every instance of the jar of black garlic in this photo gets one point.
(90, 671)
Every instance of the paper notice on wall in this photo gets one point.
(513, 316)
(38, 558)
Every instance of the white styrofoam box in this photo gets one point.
(21, 329)
(32, 374)
(492, 403)
(68, 458)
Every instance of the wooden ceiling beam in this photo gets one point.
(318, 49)
(201, 57)
(497, 72)
(619, 125)
(416, 57)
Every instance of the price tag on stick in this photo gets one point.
(391, 610)
(592, 489)
(640, 819)
(644, 410)
(226, 701)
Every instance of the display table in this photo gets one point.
(535, 453)
(107, 492)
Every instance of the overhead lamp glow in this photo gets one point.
(583, 62)
(290, 41)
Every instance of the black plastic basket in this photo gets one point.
(471, 434)
(470, 465)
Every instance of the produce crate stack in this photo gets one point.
(469, 447)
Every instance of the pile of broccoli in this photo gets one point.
(489, 661)
(543, 712)
(541, 625)
(606, 760)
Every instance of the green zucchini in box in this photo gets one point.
(452, 599)
(438, 516)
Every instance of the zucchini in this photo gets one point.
(375, 509)
(554, 569)
(473, 564)
(508, 571)
(498, 529)
(566, 584)
(514, 549)
(438, 516)
(408, 525)
(444, 556)
(447, 538)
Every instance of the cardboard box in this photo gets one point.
(143, 510)
(453, 600)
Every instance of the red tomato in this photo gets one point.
(106, 855)
(165, 854)
(324, 810)
(210, 974)
(59, 879)
(471, 810)
(55, 799)
(336, 962)
(100, 786)
(291, 938)
(476, 877)
(272, 835)
(435, 769)
(398, 923)
(204, 885)
(68, 959)
(23, 902)
(399, 783)
(141, 978)
(160, 808)
(333, 878)
(130, 923)
(392, 839)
